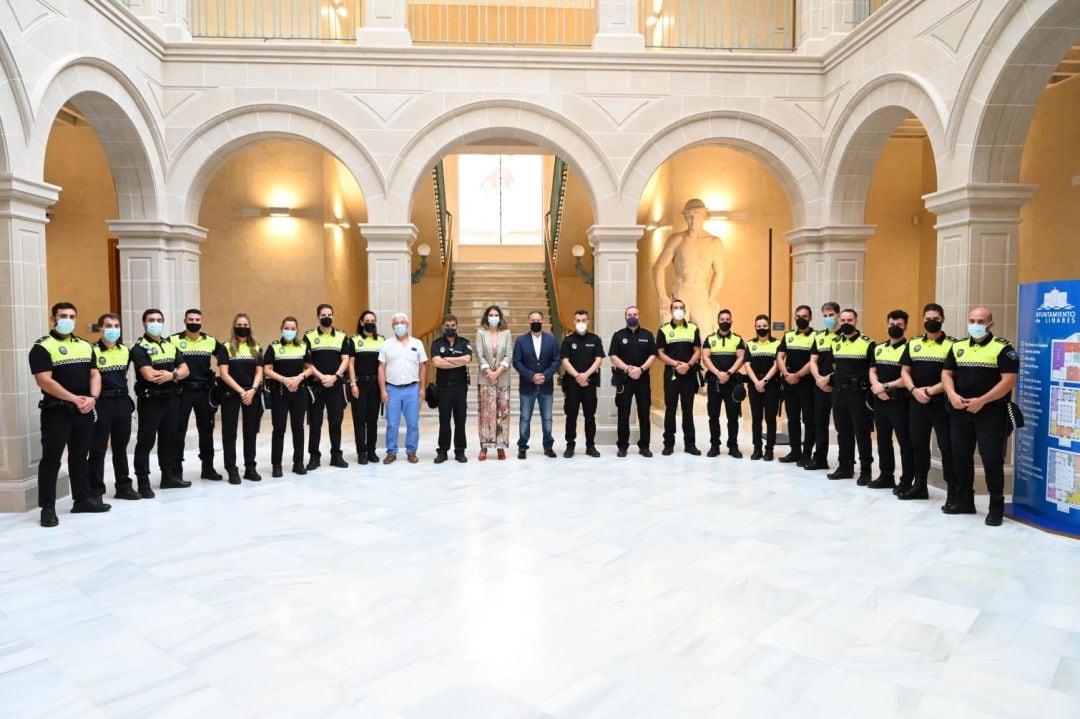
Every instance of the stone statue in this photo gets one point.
(698, 259)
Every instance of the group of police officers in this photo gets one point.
(907, 388)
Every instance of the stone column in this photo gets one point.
(168, 19)
(159, 268)
(614, 289)
(617, 27)
(828, 263)
(386, 24)
(978, 238)
(24, 315)
(389, 253)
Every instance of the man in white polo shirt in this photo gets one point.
(402, 372)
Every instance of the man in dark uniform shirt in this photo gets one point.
(451, 355)
(197, 348)
(793, 359)
(891, 408)
(632, 352)
(582, 354)
(723, 353)
(678, 345)
(114, 409)
(330, 351)
(852, 354)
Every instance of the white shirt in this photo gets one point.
(537, 339)
(402, 360)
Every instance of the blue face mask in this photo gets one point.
(400, 330)
(65, 326)
(288, 335)
(154, 329)
(830, 322)
(111, 334)
(977, 332)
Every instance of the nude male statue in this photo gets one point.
(698, 259)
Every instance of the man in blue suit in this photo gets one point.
(536, 358)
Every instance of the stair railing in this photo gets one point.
(444, 223)
(552, 225)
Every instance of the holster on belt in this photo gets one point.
(858, 384)
(50, 402)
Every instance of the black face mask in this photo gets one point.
(536, 326)
(631, 322)
(242, 332)
(932, 326)
(326, 321)
(725, 327)
(763, 332)
(896, 331)
(847, 328)
(369, 327)
(802, 323)
(193, 327)
(449, 331)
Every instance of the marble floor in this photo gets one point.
(664, 588)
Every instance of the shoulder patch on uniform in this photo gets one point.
(879, 350)
(867, 338)
(1011, 355)
(1002, 340)
(39, 340)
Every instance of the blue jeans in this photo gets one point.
(403, 401)
(527, 403)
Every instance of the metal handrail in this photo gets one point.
(445, 226)
(552, 224)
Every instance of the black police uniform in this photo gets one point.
(327, 349)
(822, 412)
(977, 367)
(159, 412)
(723, 353)
(582, 351)
(764, 405)
(287, 408)
(453, 384)
(799, 397)
(926, 358)
(71, 361)
(195, 396)
(891, 417)
(851, 380)
(634, 347)
(679, 342)
(365, 408)
(113, 425)
(243, 364)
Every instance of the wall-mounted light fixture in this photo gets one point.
(278, 212)
(585, 275)
(423, 250)
(714, 225)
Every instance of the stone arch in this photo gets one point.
(1002, 86)
(16, 117)
(790, 160)
(207, 148)
(500, 119)
(123, 122)
(863, 128)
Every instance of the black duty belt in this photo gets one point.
(856, 384)
(50, 402)
(367, 378)
(401, 386)
(196, 384)
(114, 392)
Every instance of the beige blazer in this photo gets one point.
(492, 355)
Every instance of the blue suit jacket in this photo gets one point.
(527, 364)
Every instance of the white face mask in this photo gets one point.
(581, 327)
(679, 315)
(493, 320)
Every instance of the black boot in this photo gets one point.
(251, 475)
(275, 471)
(591, 450)
(714, 451)
(208, 472)
(950, 499)
(916, 491)
(965, 502)
(372, 457)
(338, 460)
(864, 477)
(145, 491)
(884, 481)
(733, 450)
(298, 468)
(361, 458)
(791, 457)
(124, 490)
(89, 506)
(313, 463)
(172, 479)
(757, 454)
(569, 451)
(768, 454)
(234, 475)
(903, 486)
(996, 513)
(48, 517)
(440, 457)
(842, 472)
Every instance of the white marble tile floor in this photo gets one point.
(668, 588)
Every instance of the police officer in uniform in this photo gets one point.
(979, 376)
(678, 345)
(764, 391)
(197, 348)
(891, 407)
(114, 410)
(793, 359)
(364, 386)
(64, 368)
(451, 355)
(330, 351)
(286, 366)
(159, 367)
(241, 363)
(582, 354)
(632, 352)
(723, 355)
(852, 354)
(928, 406)
(821, 367)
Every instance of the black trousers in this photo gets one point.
(113, 427)
(922, 420)
(633, 391)
(764, 406)
(157, 422)
(197, 400)
(679, 393)
(287, 409)
(583, 399)
(799, 405)
(892, 417)
(365, 416)
(64, 428)
(231, 410)
(986, 430)
(453, 401)
(852, 420)
(332, 400)
(822, 415)
(717, 395)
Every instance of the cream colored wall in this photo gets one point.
(901, 257)
(76, 238)
(346, 256)
(1050, 223)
